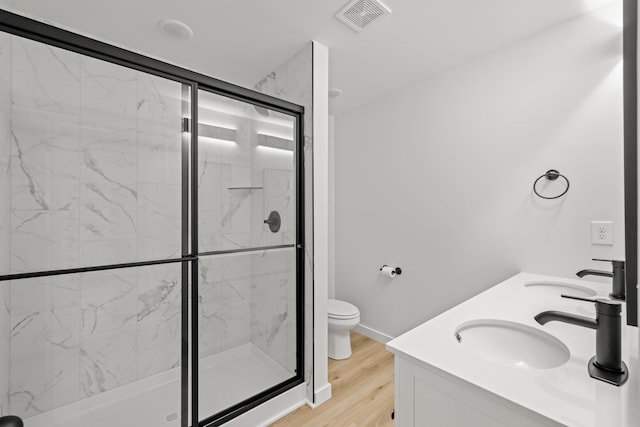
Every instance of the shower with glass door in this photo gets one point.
(151, 238)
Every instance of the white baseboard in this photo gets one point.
(322, 395)
(373, 334)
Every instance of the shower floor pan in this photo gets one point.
(225, 379)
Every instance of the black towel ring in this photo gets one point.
(551, 175)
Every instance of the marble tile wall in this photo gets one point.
(225, 302)
(89, 174)
(45, 344)
(293, 81)
(96, 154)
(75, 336)
(273, 305)
(273, 290)
(238, 187)
(224, 177)
(5, 212)
(5, 349)
(224, 223)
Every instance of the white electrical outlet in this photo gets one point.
(602, 233)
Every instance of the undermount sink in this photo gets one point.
(558, 288)
(512, 344)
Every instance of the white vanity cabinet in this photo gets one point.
(427, 398)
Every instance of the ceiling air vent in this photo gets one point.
(359, 14)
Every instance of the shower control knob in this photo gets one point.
(11, 421)
(273, 221)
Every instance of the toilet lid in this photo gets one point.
(337, 309)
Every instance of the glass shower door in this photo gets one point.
(90, 240)
(133, 255)
(247, 269)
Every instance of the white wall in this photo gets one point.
(332, 208)
(322, 388)
(437, 178)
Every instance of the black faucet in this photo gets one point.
(607, 364)
(618, 291)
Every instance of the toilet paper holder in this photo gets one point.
(398, 270)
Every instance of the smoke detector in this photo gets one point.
(358, 14)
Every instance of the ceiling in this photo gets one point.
(241, 41)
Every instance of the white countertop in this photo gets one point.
(566, 394)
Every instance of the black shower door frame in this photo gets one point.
(34, 30)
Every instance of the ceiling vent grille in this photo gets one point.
(359, 14)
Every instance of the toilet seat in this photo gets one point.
(341, 310)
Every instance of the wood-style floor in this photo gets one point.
(362, 391)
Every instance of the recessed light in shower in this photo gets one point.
(175, 29)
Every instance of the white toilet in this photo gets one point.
(343, 317)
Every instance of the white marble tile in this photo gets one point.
(236, 266)
(160, 225)
(108, 300)
(5, 154)
(279, 188)
(44, 240)
(235, 222)
(5, 355)
(279, 340)
(119, 140)
(108, 195)
(43, 294)
(232, 240)
(259, 310)
(45, 77)
(158, 89)
(108, 251)
(159, 158)
(225, 301)
(213, 178)
(156, 359)
(259, 229)
(5, 222)
(236, 311)
(159, 318)
(5, 68)
(45, 160)
(107, 360)
(278, 196)
(109, 95)
(44, 360)
(159, 105)
(293, 82)
(211, 318)
(211, 193)
(273, 305)
(236, 211)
